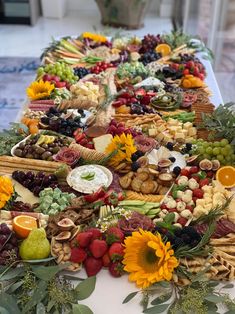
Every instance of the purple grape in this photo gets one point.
(9, 246)
(40, 174)
(13, 241)
(52, 177)
(4, 229)
(36, 190)
(30, 175)
(3, 238)
(2, 261)
(27, 183)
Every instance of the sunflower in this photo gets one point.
(94, 37)
(39, 90)
(124, 145)
(6, 190)
(148, 259)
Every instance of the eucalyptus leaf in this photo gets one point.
(11, 273)
(228, 286)
(230, 312)
(38, 295)
(130, 297)
(37, 261)
(15, 286)
(81, 309)
(3, 310)
(50, 305)
(161, 299)
(156, 309)
(213, 284)
(8, 302)
(47, 272)
(214, 298)
(85, 288)
(40, 309)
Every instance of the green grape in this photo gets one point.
(200, 150)
(205, 144)
(233, 157)
(206, 156)
(224, 142)
(228, 158)
(47, 68)
(209, 150)
(40, 70)
(220, 157)
(216, 151)
(76, 77)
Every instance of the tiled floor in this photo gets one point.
(27, 41)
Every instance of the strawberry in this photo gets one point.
(94, 196)
(116, 252)
(203, 182)
(185, 172)
(114, 234)
(79, 137)
(186, 72)
(98, 248)
(96, 233)
(60, 84)
(76, 132)
(89, 145)
(198, 193)
(121, 196)
(78, 255)
(190, 64)
(84, 238)
(193, 169)
(117, 104)
(140, 92)
(172, 210)
(92, 265)
(182, 221)
(116, 269)
(83, 142)
(106, 260)
(163, 206)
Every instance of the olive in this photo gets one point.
(50, 158)
(36, 156)
(55, 150)
(21, 145)
(46, 155)
(29, 156)
(40, 150)
(44, 146)
(18, 152)
(50, 149)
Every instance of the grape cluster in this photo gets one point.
(8, 245)
(149, 42)
(185, 236)
(149, 56)
(35, 182)
(80, 72)
(141, 109)
(100, 67)
(172, 73)
(220, 150)
(21, 207)
(62, 125)
(60, 69)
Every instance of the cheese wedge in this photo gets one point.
(101, 142)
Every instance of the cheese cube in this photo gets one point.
(161, 128)
(172, 122)
(152, 132)
(192, 131)
(160, 137)
(179, 136)
(101, 142)
(187, 125)
(200, 202)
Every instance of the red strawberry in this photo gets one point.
(186, 72)
(116, 269)
(84, 238)
(163, 206)
(140, 92)
(198, 193)
(92, 265)
(114, 234)
(193, 169)
(95, 196)
(203, 182)
(172, 210)
(96, 233)
(98, 248)
(106, 260)
(182, 221)
(78, 255)
(185, 172)
(116, 251)
(117, 104)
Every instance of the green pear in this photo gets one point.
(35, 246)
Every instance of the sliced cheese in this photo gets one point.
(101, 142)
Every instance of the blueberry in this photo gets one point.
(139, 153)
(135, 166)
(170, 146)
(172, 159)
(176, 170)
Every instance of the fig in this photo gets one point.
(215, 164)
(192, 160)
(74, 232)
(164, 163)
(165, 179)
(205, 164)
(63, 236)
(65, 224)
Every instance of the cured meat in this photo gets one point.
(67, 155)
(144, 143)
(223, 227)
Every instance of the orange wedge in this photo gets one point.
(226, 176)
(164, 49)
(23, 224)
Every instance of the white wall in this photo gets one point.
(91, 5)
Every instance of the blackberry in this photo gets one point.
(170, 146)
(135, 166)
(170, 237)
(172, 159)
(178, 242)
(176, 170)
(149, 56)
(81, 72)
(186, 238)
(178, 232)
(188, 146)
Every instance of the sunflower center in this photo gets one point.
(150, 256)
(148, 260)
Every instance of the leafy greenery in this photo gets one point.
(41, 289)
(12, 136)
(221, 122)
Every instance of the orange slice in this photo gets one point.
(164, 49)
(226, 176)
(23, 224)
